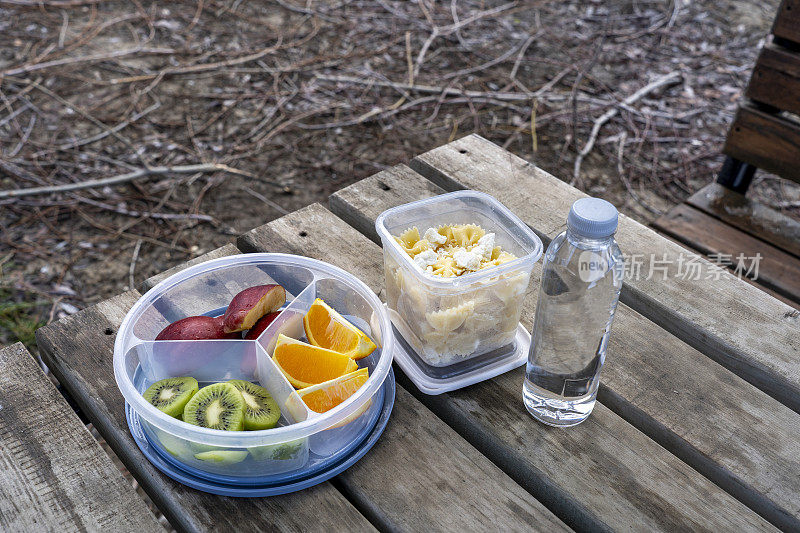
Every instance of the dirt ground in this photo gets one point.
(282, 102)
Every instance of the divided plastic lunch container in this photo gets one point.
(304, 441)
(458, 325)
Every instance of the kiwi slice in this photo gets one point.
(171, 395)
(261, 411)
(278, 452)
(217, 406)
(175, 446)
(222, 457)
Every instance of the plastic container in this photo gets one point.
(304, 440)
(483, 307)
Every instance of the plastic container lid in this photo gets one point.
(593, 218)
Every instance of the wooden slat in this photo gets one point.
(777, 270)
(222, 251)
(54, 476)
(767, 141)
(437, 481)
(767, 290)
(749, 216)
(653, 380)
(776, 79)
(787, 23)
(736, 324)
(601, 475)
(423, 476)
(79, 351)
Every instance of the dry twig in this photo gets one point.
(122, 178)
(668, 79)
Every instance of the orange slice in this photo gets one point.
(325, 396)
(328, 329)
(305, 365)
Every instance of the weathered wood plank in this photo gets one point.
(601, 475)
(749, 216)
(776, 79)
(79, 351)
(54, 476)
(787, 23)
(449, 484)
(654, 380)
(727, 319)
(770, 142)
(777, 269)
(439, 482)
(222, 251)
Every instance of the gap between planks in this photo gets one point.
(412, 442)
(748, 444)
(602, 475)
(79, 350)
(53, 473)
(734, 323)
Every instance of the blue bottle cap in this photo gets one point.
(593, 217)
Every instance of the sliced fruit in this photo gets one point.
(262, 324)
(261, 411)
(171, 395)
(251, 304)
(278, 452)
(305, 365)
(328, 329)
(195, 328)
(222, 457)
(325, 396)
(217, 406)
(175, 446)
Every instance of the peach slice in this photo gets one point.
(262, 324)
(251, 304)
(195, 328)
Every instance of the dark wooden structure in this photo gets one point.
(718, 220)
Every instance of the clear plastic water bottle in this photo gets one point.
(581, 282)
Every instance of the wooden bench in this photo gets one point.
(678, 441)
(718, 220)
(54, 476)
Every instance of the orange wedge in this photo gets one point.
(328, 329)
(325, 396)
(305, 365)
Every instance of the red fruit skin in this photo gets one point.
(262, 324)
(188, 358)
(251, 304)
(195, 328)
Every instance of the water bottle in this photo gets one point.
(581, 281)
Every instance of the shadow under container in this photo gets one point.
(304, 442)
(466, 321)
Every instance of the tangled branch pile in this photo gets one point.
(200, 119)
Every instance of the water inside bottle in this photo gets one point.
(568, 346)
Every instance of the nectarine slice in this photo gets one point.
(262, 324)
(195, 328)
(251, 304)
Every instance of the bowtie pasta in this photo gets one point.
(453, 250)
(451, 326)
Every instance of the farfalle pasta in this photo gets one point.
(449, 326)
(453, 250)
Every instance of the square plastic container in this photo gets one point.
(304, 441)
(455, 324)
